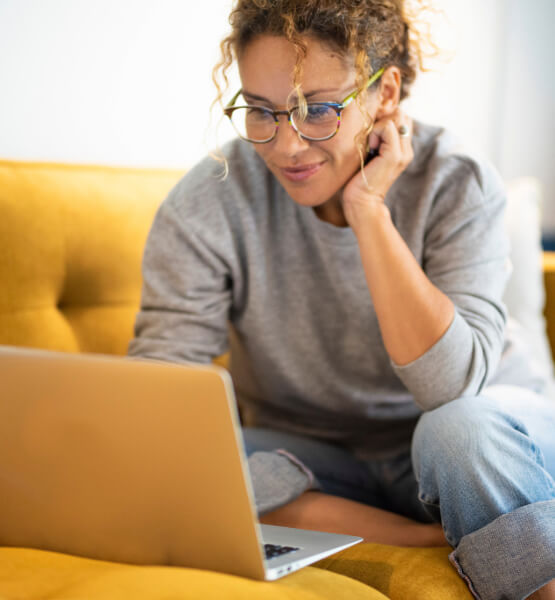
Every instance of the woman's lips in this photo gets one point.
(301, 173)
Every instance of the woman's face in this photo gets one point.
(312, 173)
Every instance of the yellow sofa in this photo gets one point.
(71, 240)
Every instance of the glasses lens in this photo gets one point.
(320, 121)
(253, 124)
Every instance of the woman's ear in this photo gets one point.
(389, 93)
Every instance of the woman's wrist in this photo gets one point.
(364, 216)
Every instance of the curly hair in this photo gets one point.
(376, 33)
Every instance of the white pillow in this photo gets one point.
(525, 295)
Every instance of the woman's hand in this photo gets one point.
(361, 197)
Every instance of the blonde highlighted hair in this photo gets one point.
(375, 33)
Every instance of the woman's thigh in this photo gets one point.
(337, 470)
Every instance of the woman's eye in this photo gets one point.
(258, 114)
(319, 111)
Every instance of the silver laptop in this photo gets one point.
(135, 461)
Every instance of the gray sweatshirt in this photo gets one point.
(236, 264)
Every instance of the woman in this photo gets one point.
(361, 302)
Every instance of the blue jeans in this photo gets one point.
(483, 466)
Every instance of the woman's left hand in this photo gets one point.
(395, 154)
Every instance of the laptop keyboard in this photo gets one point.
(273, 550)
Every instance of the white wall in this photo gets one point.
(526, 137)
(128, 82)
(462, 88)
(108, 81)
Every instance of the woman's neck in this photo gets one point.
(332, 211)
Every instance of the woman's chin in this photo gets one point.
(308, 196)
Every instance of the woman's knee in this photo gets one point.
(461, 433)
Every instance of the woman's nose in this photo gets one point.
(287, 140)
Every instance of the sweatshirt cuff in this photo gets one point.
(438, 375)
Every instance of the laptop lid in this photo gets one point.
(124, 460)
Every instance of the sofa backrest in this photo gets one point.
(71, 242)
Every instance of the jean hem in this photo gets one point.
(457, 566)
(512, 556)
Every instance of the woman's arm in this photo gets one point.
(186, 294)
(442, 323)
(413, 313)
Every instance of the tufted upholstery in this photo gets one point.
(71, 239)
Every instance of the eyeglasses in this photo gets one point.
(320, 121)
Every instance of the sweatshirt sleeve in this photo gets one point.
(466, 256)
(186, 294)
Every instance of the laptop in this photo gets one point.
(135, 461)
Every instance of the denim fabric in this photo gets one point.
(520, 555)
(484, 466)
(387, 484)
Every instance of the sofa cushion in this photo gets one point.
(401, 573)
(71, 241)
(525, 294)
(29, 574)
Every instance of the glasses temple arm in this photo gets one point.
(375, 77)
(234, 99)
(370, 81)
